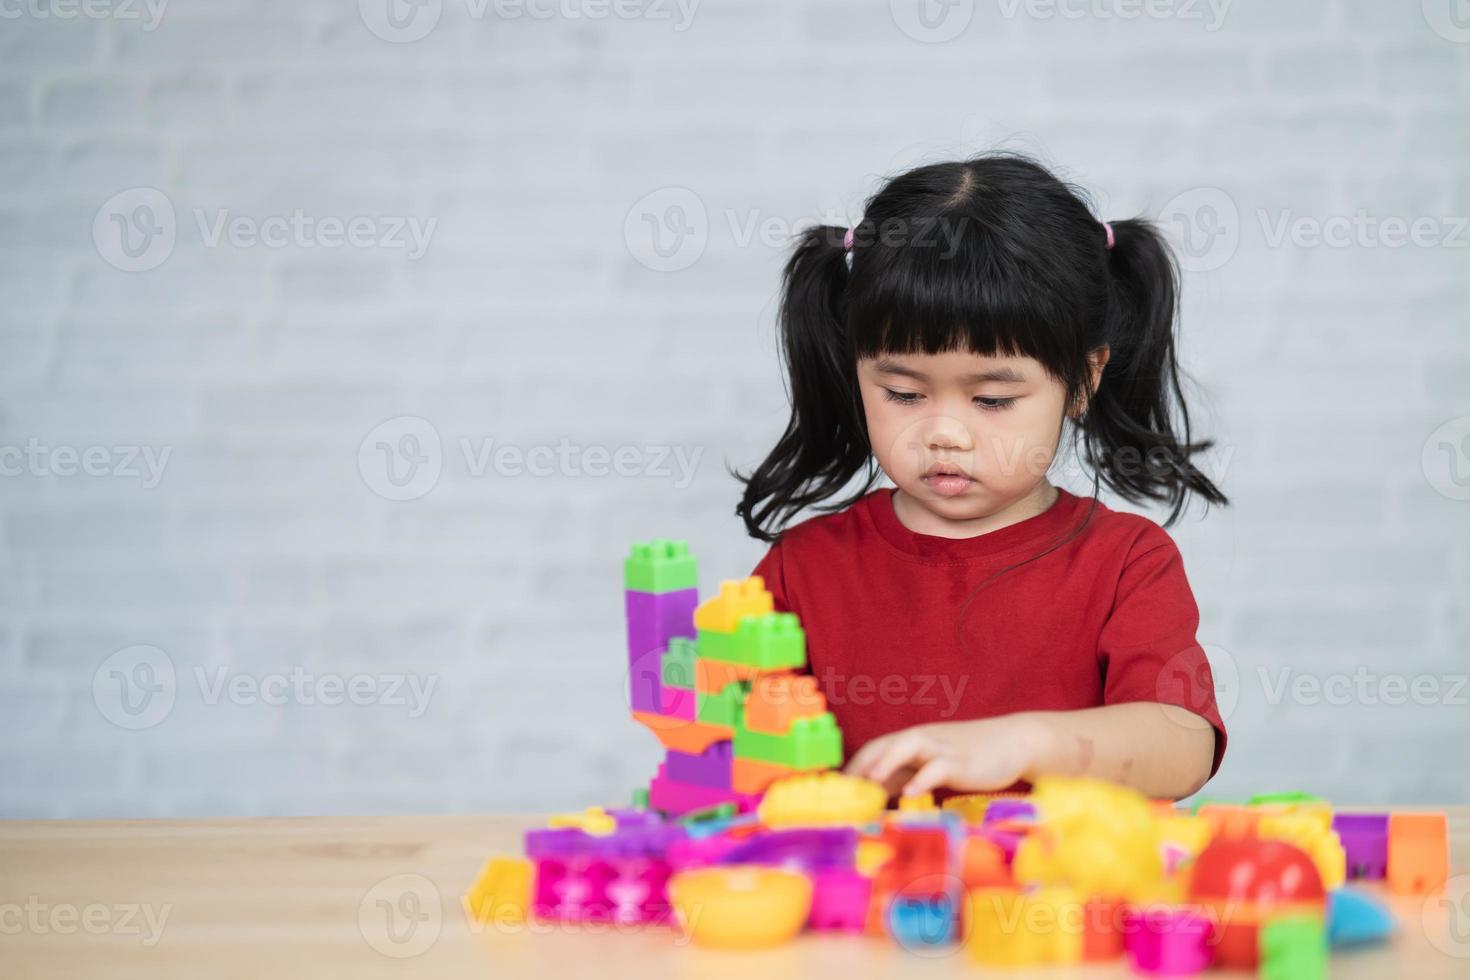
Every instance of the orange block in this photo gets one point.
(1418, 852)
(683, 735)
(1229, 820)
(754, 776)
(776, 700)
(712, 676)
(983, 865)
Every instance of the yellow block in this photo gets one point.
(825, 799)
(1003, 929)
(502, 892)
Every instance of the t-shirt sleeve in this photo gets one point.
(1148, 647)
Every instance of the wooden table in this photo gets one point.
(365, 897)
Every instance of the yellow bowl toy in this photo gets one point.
(741, 906)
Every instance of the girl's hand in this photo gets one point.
(969, 756)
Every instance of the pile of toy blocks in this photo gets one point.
(718, 684)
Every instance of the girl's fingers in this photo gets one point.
(907, 747)
(862, 760)
(930, 776)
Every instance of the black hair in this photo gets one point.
(995, 255)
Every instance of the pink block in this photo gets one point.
(1168, 942)
(678, 703)
(840, 900)
(679, 798)
(632, 891)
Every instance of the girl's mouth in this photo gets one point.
(947, 481)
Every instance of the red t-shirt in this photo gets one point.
(1105, 618)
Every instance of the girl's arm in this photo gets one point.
(1163, 751)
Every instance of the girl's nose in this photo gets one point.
(949, 433)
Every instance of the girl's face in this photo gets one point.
(964, 435)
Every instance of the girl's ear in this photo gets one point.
(1097, 359)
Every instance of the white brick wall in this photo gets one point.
(530, 321)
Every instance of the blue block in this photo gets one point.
(1356, 919)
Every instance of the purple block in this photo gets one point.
(808, 849)
(709, 768)
(1003, 809)
(654, 618)
(1364, 839)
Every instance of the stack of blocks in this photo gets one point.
(717, 683)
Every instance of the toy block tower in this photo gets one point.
(717, 684)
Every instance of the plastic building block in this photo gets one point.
(776, 700)
(1230, 820)
(682, 735)
(594, 820)
(708, 768)
(922, 922)
(1288, 797)
(1242, 881)
(770, 641)
(1003, 809)
(1364, 839)
(828, 799)
(1102, 930)
(983, 864)
(1418, 851)
(674, 797)
(972, 806)
(840, 900)
(677, 663)
(1001, 932)
(1096, 836)
(807, 849)
(741, 907)
(645, 681)
(678, 703)
(660, 565)
(754, 776)
(813, 743)
(723, 611)
(713, 676)
(1307, 831)
(919, 865)
(640, 797)
(724, 707)
(653, 621)
(1294, 947)
(721, 812)
(922, 803)
(502, 892)
(1356, 919)
(1168, 942)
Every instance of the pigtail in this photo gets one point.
(825, 442)
(1129, 434)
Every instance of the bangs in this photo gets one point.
(917, 301)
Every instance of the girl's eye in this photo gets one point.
(995, 404)
(902, 397)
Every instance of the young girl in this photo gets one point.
(975, 626)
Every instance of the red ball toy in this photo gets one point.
(1243, 880)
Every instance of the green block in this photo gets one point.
(1210, 801)
(773, 641)
(1293, 796)
(640, 798)
(660, 565)
(677, 663)
(725, 708)
(812, 743)
(722, 811)
(1293, 947)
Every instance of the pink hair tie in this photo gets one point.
(847, 240)
(1109, 229)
